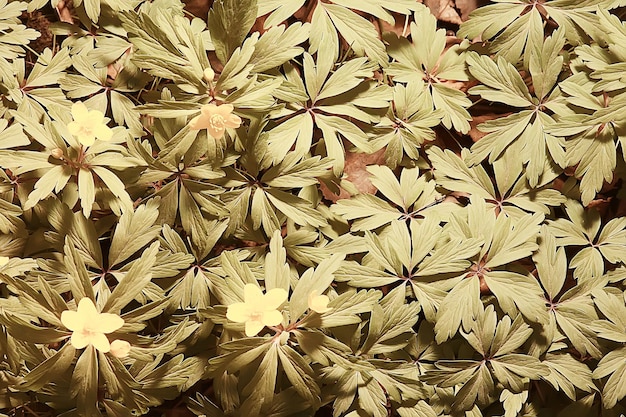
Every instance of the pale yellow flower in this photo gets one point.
(89, 327)
(120, 348)
(319, 303)
(4, 260)
(209, 74)
(215, 119)
(258, 310)
(89, 125)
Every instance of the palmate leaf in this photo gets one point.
(36, 94)
(567, 374)
(407, 124)
(181, 54)
(332, 96)
(92, 83)
(524, 134)
(511, 195)
(424, 59)
(413, 256)
(229, 22)
(600, 243)
(14, 35)
(412, 197)
(613, 366)
(514, 26)
(572, 311)
(589, 121)
(496, 342)
(504, 241)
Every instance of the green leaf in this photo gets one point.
(85, 382)
(358, 32)
(133, 282)
(134, 231)
(567, 374)
(612, 364)
(229, 22)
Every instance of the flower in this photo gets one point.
(209, 74)
(120, 348)
(216, 119)
(89, 125)
(318, 303)
(258, 310)
(89, 326)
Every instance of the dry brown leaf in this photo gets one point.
(466, 7)
(64, 11)
(356, 174)
(444, 10)
(476, 134)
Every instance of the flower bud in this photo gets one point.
(57, 153)
(209, 74)
(120, 348)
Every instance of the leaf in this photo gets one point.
(567, 374)
(134, 231)
(612, 364)
(133, 282)
(229, 22)
(300, 374)
(277, 273)
(85, 382)
(358, 32)
(52, 366)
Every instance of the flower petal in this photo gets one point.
(233, 121)
(73, 127)
(238, 312)
(252, 294)
(253, 327)
(272, 318)
(198, 123)
(215, 132)
(79, 111)
(103, 132)
(72, 320)
(224, 110)
(79, 340)
(274, 298)
(100, 342)
(108, 322)
(208, 110)
(86, 140)
(319, 303)
(87, 308)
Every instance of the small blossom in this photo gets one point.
(120, 348)
(215, 119)
(209, 74)
(89, 125)
(258, 310)
(89, 327)
(57, 153)
(319, 303)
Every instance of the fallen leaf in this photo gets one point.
(64, 10)
(467, 6)
(355, 178)
(444, 10)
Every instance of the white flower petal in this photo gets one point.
(253, 327)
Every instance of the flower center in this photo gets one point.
(217, 122)
(255, 316)
(86, 130)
